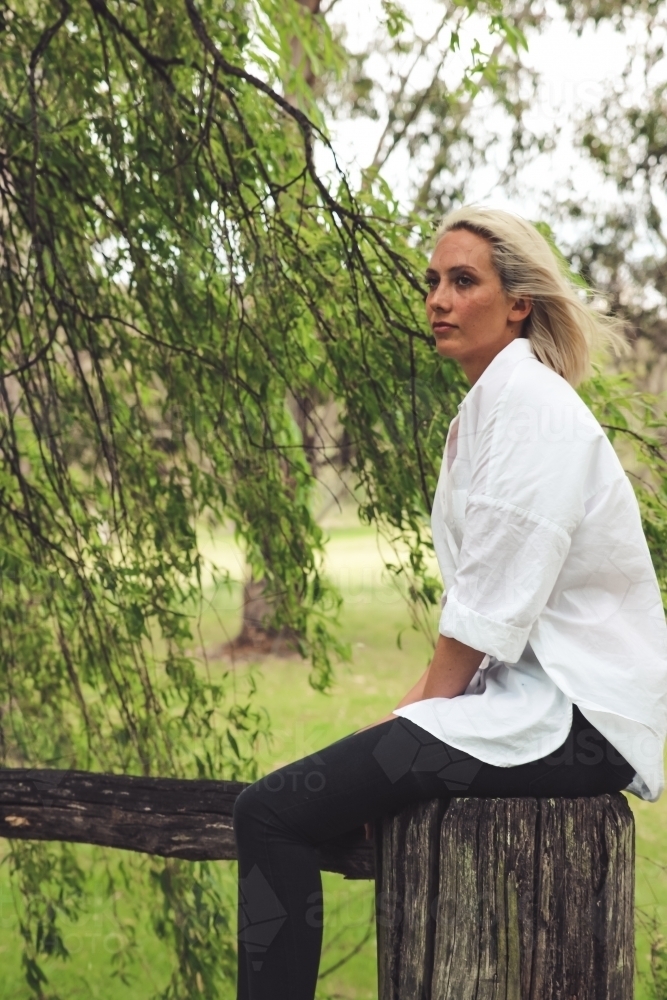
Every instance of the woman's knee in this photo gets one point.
(249, 807)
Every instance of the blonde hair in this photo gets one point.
(562, 327)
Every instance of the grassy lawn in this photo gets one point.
(303, 720)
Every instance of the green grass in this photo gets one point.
(303, 720)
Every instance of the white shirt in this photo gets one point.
(538, 536)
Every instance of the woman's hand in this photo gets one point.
(452, 668)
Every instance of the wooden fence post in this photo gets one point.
(507, 899)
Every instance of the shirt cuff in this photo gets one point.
(505, 642)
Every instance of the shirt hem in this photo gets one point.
(648, 787)
(547, 746)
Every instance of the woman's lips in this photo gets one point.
(443, 327)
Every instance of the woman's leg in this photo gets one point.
(586, 764)
(280, 820)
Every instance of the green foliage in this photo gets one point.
(60, 880)
(621, 240)
(635, 423)
(396, 18)
(194, 919)
(658, 968)
(452, 87)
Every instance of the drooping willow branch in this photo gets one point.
(176, 270)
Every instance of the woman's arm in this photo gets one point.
(451, 670)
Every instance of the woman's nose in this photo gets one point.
(441, 297)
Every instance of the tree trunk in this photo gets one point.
(255, 636)
(507, 899)
(298, 55)
(256, 611)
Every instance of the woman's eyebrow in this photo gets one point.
(453, 271)
(457, 268)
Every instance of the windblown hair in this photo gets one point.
(563, 328)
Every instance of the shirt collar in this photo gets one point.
(504, 362)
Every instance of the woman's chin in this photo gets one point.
(447, 348)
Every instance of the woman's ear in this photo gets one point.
(519, 309)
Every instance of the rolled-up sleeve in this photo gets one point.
(529, 481)
(509, 562)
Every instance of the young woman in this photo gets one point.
(549, 677)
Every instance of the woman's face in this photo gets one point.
(471, 316)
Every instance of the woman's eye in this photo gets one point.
(464, 281)
(431, 283)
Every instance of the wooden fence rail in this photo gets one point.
(165, 816)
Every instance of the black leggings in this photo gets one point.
(280, 819)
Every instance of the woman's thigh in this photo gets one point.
(585, 765)
(381, 770)
(361, 777)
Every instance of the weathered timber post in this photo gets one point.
(507, 899)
